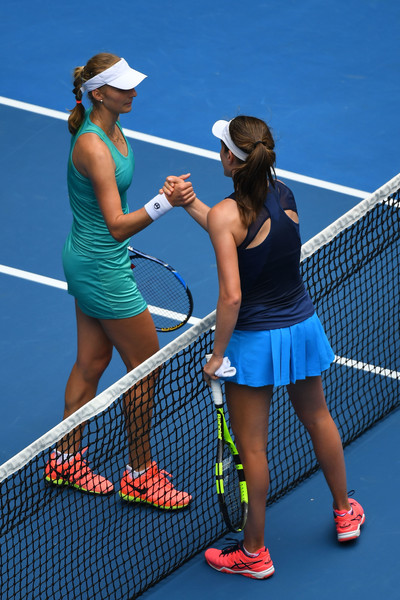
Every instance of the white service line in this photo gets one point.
(33, 277)
(152, 139)
(341, 360)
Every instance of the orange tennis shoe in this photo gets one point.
(233, 559)
(75, 472)
(348, 526)
(153, 487)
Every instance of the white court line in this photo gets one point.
(63, 286)
(361, 366)
(33, 277)
(347, 362)
(151, 139)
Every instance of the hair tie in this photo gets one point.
(257, 142)
(79, 101)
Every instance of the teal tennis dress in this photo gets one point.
(97, 267)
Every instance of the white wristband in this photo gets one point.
(157, 207)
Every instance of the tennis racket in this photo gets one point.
(229, 474)
(166, 293)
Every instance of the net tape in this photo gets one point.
(60, 543)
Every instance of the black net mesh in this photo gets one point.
(58, 542)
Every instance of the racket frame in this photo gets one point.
(224, 438)
(134, 252)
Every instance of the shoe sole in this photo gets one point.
(253, 574)
(127, 498)
(76, 486)
(351, 535)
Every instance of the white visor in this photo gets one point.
(221, 130)
(120, 76)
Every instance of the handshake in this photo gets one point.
(178, 191)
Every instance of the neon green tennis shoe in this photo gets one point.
(76, 473)
(153, 487)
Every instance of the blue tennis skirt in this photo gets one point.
(280, 356)
(105, 287)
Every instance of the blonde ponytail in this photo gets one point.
(77, 114)
(95, 65)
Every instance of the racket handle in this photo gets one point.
(216, 390)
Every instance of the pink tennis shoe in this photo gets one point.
(234, 560)
(348, 526)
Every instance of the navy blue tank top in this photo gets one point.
(273, 291)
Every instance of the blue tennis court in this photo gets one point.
(323, 76)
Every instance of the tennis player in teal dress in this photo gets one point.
(96, 265)
(266, 325)
(110, 310)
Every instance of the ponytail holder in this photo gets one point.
(79, 101)
(257, 142)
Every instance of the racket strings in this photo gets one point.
(169, 300)
(232, 494)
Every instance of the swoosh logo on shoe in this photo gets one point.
(140, 490)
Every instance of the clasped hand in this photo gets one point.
(210, 367)
(178, 191)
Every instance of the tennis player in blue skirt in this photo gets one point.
(110, 311)
(267, 326)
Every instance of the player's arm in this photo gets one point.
(195, 207)
(93, 159)
(221, 227)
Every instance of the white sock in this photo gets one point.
(250, 554)
(341, 513)
(135, 473)
(61, 458)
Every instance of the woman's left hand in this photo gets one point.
(179, 191)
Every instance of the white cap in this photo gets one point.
(221, 130)
(120, 76)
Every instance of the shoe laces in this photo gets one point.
(238, 547)
(165, 474)
(233, 547)
(80, 464)
(81, 467)
(162, 478)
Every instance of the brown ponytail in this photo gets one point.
(97, 64)
(252, 178)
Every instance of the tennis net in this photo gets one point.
(60, 543)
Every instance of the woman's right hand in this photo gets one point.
(210, 367)
(179, 191)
